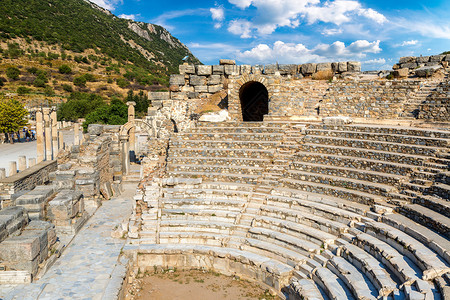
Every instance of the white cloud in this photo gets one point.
(409, 43)
(108, 4)
(128, 17)
(332, 31)
(272, 14)
(298, 53)
(163, 19)
(241, 27)
(376, 61)
(373, 15)
(430, 28)
(218, 15)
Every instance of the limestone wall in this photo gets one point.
(437, 104)
(25, 180)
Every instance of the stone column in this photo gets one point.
(48, 134)
(132, 132)
(12, 168)
(2, 173)
(31, 162)
(76, 132)
(60, 141)
(40, 137)
(22, 163)
(125, 157)
(54, 121)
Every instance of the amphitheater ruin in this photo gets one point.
(333, 188)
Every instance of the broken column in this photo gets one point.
(60, 141)
(2, 173)
(12, 168)
(22, 163)
(132, 132)
(76, 132)
(47, 134)
(54, 126)
(31, 162)
(125, 157)
(40, 137)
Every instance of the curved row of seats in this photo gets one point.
(322, 202)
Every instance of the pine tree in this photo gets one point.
(12, 115)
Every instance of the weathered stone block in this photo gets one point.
(401, 72)
(95, 129)
(201, 88)
(232, 70)
(227, 62)
(20, 248)
(246, 69)
(353, 66)
(407, 59)
(158, 96)
(422, 59)
(335, 67)
(197, 80)
(214, 80)
(437, 58)
(287, 69)
(308, 69)
(214, 88)
(45, 226)
(203, 70)
(187, 69)
(323, 67)
(427, 71)
(176, 79)
(411, 65)
(447, 57)
(342, 66)
(218, 70)
(270, 69)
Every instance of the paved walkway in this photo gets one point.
(89, 267)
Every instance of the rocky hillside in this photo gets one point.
(37, 37)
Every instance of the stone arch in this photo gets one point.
(254, 99)
(240, 84)
(132, 124)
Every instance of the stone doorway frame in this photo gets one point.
(234, 86)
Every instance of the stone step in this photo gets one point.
(234, 136)
(215, 168)
(331, 284)
(427, 217)
(304, 289)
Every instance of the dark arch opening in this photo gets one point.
(254, 101)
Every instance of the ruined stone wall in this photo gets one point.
(437, 105)
(25, 180)
(367, 99)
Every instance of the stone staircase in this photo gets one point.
(318, 204)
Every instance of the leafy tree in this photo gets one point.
(140, 99)
(65, 69)
(114, 114)
(79, 105)
(122, 82)
(12, 115)
(13, 73)
(80, 81)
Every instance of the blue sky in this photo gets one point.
(375, 32)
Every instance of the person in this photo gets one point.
(33, 134)
(28, 135)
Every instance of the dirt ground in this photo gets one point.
(193, 284)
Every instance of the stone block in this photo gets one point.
(176, 79)
(218, 70)
(437, 58)
(25, 265)
(287, 69)
(187, 69)
(64, 206)
(201, 88)
(396, 67)
(427, 70)
(214, 80)
(192, 95)
(335, 67)
(19, 248)
(95, 129)
(256, 70)
(337, 121)
(232, 70)
(197, 80)
(342, 66)
(422, 59)
(227, 62)
(354, 66)
(308, 69)
(270, 69)
(447, 57)
(410, 65)
(407, 59)
(30, 199)
(323, 67)
(246, 69)
(174, 88)
(158, 96)
(45, 226)
(214, 88)
(203, 70)
(401, 72)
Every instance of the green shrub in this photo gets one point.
(67, 88)
(48, 91)
(122, 82)
(65, 69)
(33, 70)
(89, 77)
(39, 82)
(21, 90)
(13, 73)
(80, 81)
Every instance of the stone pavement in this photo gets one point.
(89, 268)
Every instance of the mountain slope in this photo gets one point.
(77, 25)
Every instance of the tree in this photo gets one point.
(114, 114)
(12, 115)
(65, 69)
(13, 73)
(78, 106)
(80, 81)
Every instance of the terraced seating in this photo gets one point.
(323, 201)
(35, 201)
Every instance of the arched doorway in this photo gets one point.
(254, 99)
